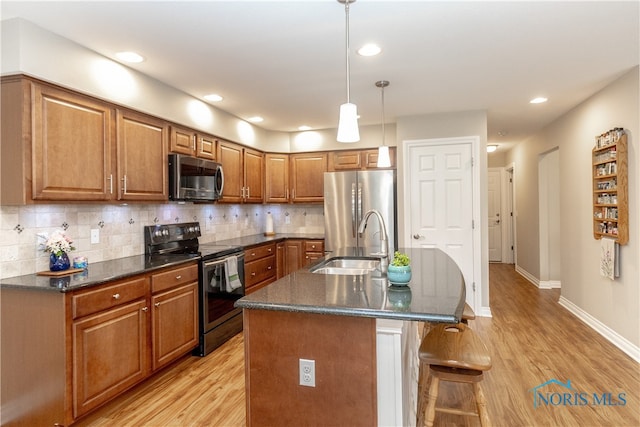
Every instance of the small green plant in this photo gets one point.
(400, 259)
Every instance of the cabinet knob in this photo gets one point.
(157, 304)
(253, 254)
(116, 296)
(269, 268)
(178, 277)
(253, 273)
(145, 309)
(269, 249)
(313, 246)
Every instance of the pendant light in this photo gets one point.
(384, 161)
(348, 122)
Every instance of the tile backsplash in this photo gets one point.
(120, 228)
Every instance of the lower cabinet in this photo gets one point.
(124, 331)
(260, 267)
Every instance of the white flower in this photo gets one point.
(57, 243)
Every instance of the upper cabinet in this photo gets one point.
(276, 178)
(192, 143)
(142, 157)
(307, 177)
(358, 159)
(64, 146)
(243, 173)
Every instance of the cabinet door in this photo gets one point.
(253, 176)
(230, 156)
(110, 354)
(182, 141)
(344, 160)
(72, 145)
(276, 178)
(175, 324)
(307, 177)
(142, 157)
(206, 147)
(293, 255)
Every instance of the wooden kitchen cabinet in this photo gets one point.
(58, 145)
(260, 267)
(358, 159)
(189, 142)
(307, 177)
(142, 157)
(72, 143)
(293, 250)
(174, 314)
(313, 251)
(243, 173)
(281, 261)
(109, 339)
(276, 178)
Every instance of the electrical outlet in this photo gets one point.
(95, 235)
(308, 372)
(287, 219)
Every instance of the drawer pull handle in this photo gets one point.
(269, 268)
(269, 249)
(253, 254)
(178, 277)
(157, 304)
(116, 296)
(145, 309)
(253, 274)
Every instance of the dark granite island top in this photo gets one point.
(436, 292)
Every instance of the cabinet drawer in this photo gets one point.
(259, 270)
(259, 252)
(174, 277)
(104, 297)
(314, 246)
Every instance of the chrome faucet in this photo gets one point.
(384, 239)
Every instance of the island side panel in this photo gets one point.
(344, 350)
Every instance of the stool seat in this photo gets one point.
(454, 346)
(467, 313)
(455, 354)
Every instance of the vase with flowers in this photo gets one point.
(58, 245)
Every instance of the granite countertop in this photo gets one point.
(105, 271)
(436, 292)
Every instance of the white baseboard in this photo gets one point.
(549, 284)
(484, 312)
(612, 336)
(530, 277)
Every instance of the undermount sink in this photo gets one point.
(347, 266)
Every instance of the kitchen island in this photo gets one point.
(360, 333)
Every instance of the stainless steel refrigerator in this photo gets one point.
(347, 197)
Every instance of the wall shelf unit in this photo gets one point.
(610, 187)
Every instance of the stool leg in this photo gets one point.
(481, 404)
(433, 396)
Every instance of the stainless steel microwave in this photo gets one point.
(194, 180)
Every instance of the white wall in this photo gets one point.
(613, 305)
(444, 125)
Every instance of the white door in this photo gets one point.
(439, 190)
(495, 222)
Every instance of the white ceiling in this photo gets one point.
(285, 60)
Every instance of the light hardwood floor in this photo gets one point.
(532, 339)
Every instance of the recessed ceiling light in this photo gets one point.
(129, 57)
(369, 49)
(213, 97)
(538, 100)
(303, 128)
(255, 119)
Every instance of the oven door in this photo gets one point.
(217, 295)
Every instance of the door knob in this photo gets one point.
(417, 236)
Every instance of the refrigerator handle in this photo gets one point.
(354, 217)
(360, 213)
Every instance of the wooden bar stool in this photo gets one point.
(455, 353)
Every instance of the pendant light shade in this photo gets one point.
(348, 122)
(384, 161)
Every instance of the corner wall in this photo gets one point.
(611, 306)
